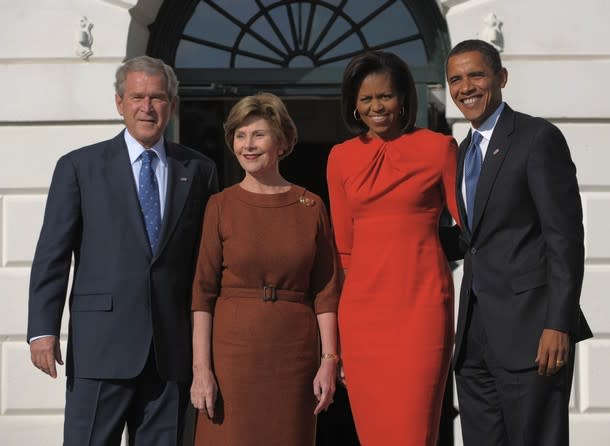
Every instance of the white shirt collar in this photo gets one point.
(135, 149)
(487, 128)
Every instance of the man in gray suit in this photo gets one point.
(130, 211)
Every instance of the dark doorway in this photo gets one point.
(318, 122)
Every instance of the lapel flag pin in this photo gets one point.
(496, 151)
(183, 179)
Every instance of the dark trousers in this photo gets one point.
(508, 408)
(97, 411)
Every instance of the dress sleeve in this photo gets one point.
(206, 284)
(324, 281)
(448, 174)
(340, 211)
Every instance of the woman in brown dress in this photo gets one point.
(264, 297)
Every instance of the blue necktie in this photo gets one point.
(472, 171)
(148, 193)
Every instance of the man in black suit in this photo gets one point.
(130, 211)
(519, 313)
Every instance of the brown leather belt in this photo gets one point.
(268, 293)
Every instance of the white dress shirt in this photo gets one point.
(486, 130)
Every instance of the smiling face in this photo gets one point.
(379, 106)
(145, 106)
(475, 89)
(257, 148)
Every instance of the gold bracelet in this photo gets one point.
(330, 356)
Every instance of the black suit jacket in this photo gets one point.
(525, 250)
(123, 298)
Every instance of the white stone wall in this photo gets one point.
(557, 54)
(558, 58)
(53, 101)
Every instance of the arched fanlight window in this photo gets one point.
(279, 34)
(296, 34)
(294, 48)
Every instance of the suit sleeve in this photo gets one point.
(553, 186)
(59, 236)
(340, 211)
(212, 177)
(206, 285)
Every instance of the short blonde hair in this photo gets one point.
(269, 107)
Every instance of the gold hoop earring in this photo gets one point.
(401, 113)
(356, 116)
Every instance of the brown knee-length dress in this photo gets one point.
(265, 352)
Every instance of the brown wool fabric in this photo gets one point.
(265, 354)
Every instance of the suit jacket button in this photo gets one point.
(473, 251)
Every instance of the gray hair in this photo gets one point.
(150, 66)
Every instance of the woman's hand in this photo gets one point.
(324, 384)
(204, 391)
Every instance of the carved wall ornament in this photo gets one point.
(84, 39)
(492, 31)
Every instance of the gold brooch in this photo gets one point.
(307, 201)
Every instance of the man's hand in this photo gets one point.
(44, 352)
(553, 351)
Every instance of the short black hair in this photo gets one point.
(488, 51)
(378, 62)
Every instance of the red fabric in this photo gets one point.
(396, 307)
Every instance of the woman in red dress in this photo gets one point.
(388, 187)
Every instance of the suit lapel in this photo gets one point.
(494, 157)
(119, 178)
(179, 181)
